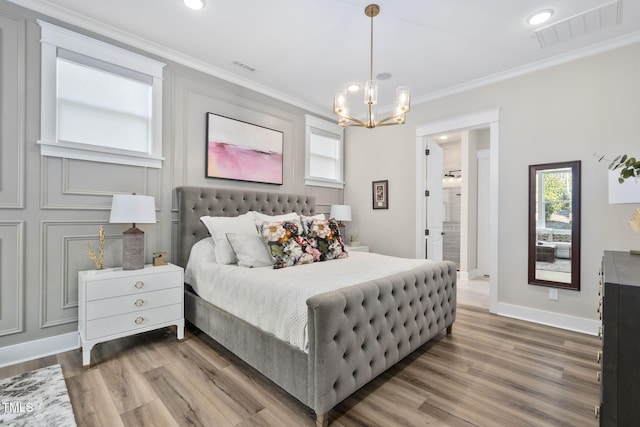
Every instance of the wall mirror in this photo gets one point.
(554, 225)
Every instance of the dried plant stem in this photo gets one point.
(99, 257)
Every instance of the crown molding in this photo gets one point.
(48, 8)
(532, 67)
(54, 11)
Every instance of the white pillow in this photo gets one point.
(202, 252)
(251, 251)
(259, 218)
(219, 226)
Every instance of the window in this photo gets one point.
(99, 102)
(324, 153)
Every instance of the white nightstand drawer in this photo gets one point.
(117, 286)
(133, 303)
(131, 321)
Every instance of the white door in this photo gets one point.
(435, 205)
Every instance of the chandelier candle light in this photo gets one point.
(403, 95)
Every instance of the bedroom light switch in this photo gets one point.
(553, 294)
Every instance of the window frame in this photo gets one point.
(54, 37)
(324, 127)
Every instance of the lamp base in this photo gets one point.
(133, 249)
(634, 251)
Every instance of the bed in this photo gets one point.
(353, 333)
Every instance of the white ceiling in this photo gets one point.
(303, 50)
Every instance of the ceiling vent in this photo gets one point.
(243, 66)
(590, 21)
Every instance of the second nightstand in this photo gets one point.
(115, 303)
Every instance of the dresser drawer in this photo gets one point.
(133, 303)
(118, 286)
(130, 322)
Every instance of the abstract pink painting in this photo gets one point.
(243, 151)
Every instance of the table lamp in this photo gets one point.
(133, 208)
(340, 213)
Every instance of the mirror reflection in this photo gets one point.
(554, 221)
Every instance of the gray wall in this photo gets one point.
(562, 113)
(49, 207)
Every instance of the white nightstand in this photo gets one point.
(358, 248)
(115, 303)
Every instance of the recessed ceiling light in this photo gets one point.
(194, 4)
(354, 87)
(443, 137)
(540, 17)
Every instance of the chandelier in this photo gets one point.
(403, 95)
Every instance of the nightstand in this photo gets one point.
(115, 303)
(358, 248)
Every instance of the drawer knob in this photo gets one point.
(139, 302)
(598, 374)
(139, 284)
(599, 356)
(139, 320)
(597, 411)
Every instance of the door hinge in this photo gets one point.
(426, 193)
(426, 152)
(426, 232)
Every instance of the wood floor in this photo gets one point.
(492, 371)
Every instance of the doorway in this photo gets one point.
(482, 120)
(451, 144)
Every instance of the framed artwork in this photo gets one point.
(380, 194)
(243, 151)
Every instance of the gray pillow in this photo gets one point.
(251, 251)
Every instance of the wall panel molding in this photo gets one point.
(175, 242)
(12, 284)
(63, 254)
(193, 99)
(84, 185)
(12, 110)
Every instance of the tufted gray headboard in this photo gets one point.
(194, 202)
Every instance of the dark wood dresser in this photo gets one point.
(620, 358)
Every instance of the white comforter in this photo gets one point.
(275, 300)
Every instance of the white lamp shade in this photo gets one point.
(627, 192)
(133, 208)
(341, 212)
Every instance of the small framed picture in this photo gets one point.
(380, 194)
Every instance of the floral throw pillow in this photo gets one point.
(324, 236)
(287, 245)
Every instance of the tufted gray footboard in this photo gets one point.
(356, 333)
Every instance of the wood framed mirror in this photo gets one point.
(554, 225)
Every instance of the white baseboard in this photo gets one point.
(549, 318)
(469, 275)
(36, 349)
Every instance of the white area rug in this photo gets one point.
(36, 398)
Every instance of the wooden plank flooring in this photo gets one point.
(492, 371)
